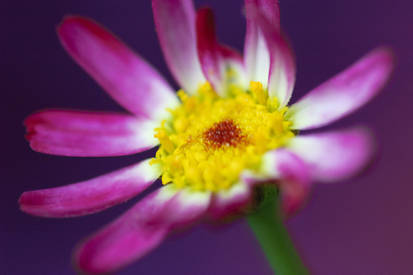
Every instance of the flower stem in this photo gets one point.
(269, 229)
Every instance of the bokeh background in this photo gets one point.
(359, 226)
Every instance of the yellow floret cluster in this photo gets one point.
(185, 157)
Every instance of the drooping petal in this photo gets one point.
(139, 230)
(344, 93)
(230, 201)
(80, 133)
(175, 25)
(293, 177)
(269, 58)
(90, 196)
(125, 76)
(334, 155)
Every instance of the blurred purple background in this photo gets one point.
(362, 226)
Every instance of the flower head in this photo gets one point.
(227, 130)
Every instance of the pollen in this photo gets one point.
(209, 140)
(223, 133)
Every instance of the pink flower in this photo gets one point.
(193, 160)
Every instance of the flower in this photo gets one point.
(228, 130)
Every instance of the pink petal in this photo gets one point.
(293, 175)
(139, 230)
(175, 24)
(80, 133)
(90, 196)
(231, 201)
(334, 155)
(344, 93)
(125, 76)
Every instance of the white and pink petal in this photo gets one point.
(268, 56)
(175, 25)
(92, 195)
(81, 133)
(130, 80)
(334, 155)
(344, 93)
(140, 229)
(256, 53)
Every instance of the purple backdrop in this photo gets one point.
(362, 226)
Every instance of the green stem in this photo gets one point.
(269, 229)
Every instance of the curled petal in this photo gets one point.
(86, 134)
(90, 196)
(334, 155)
(344, 93)
(125, 76)
(293, 175)
(140, 229)
(231, 201)
(175, 25)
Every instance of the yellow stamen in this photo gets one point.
(210, 140)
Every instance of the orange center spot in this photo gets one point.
(224, 133)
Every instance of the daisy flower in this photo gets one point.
(226, 132)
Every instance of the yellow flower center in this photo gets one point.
(209, 140)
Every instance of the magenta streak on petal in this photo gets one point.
(175, 25)
(294, 179)
(129, 79)
(334, 155)
(138, 231)
(89, 196)
(208, 49)
(344, 93)
(81, 133)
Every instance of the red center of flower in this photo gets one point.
(224, 133)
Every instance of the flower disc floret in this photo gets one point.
(209, 140)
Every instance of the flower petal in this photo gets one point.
(344, 93)
(256, 53)
(293, 175)
(80, 133)
(90, 196)
(334, 155)
(139, 230)
(269, 58)
(175, 24)
(231, 201)
(125, 76)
